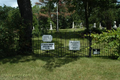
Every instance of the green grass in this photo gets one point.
(38, 67)
(65, 68)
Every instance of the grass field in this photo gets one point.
(64, 68)
(37, 67)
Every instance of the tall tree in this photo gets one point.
(51, 9)
(87, 6)
(25, 34)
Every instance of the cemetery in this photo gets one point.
(60, 40)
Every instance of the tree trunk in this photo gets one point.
(108, 25)
(86, 14)
(25, 35)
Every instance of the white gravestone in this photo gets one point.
(47, 46)
(33, 28)
(74, 45)
(114, 27)
(81, 26)
(51, 26)
(100, 26)
(73, 24)
(94, 25)
(47, 38)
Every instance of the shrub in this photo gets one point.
(7, 42)
(112, 38)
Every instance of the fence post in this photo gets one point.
(90, 43)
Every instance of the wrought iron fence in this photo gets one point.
(62, 40)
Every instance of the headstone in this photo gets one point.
(47, 46)
(119, 25)
(94, 25)
(74, 45)
(100, 26)
(33, 28)
(51, 25)
(73, 25)
(81, 26)
(114, 27)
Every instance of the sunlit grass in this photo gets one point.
(68, 67)
(63, 68)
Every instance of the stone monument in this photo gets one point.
(114, 27)
(94, 25)
(81, 25)
(100, 26)
(73, 25)
(51, 25)
(33, 28)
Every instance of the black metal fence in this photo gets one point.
(62, 41)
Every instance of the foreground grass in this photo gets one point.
(64, 68)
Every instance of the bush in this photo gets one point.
(7, 42)
(112, 38)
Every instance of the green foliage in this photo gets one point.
(14, 20)
(9, 30)
(4, 12)
(112, 40)
(7, 42)
(44, 24)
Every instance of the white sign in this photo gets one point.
(47, 38)
(74, 45)
(47, 46)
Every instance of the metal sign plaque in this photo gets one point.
(96, 51)
(47, 46)
(47, 38)
(74, 45)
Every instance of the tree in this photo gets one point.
(4, 13)
(87, 6)
(63, 12)
(25, 34)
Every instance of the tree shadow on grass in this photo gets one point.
(51, 62)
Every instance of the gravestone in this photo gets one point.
(114, 27)
(33, 28)
(51, 25)
(73, 25)
(119, 25)
(100, 26)
(81, 26)
(94, 25)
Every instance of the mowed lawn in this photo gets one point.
(62, 68)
